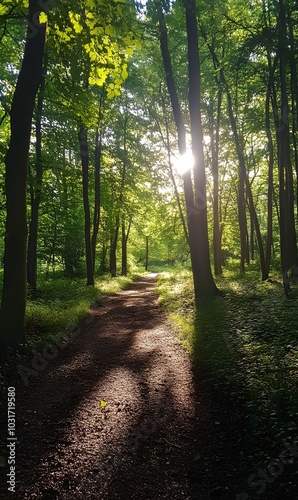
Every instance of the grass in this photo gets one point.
(59, 305)
(247, 341)
(176, 296)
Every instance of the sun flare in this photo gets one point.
(184, 163)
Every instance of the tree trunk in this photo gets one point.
(252, 239)
(199, 239)
(214, 152)
(244, 253)
(36, 191)
(103, 266)
(241, 189)
(244, 183)
(124, 251)
(294, 91)
(270, 167)
(113, 250)
(52, 251)
(67, 253)
(286, 191)
(254, 218)
(168, 148)
(147, 253)
(163, 39)
(84, 151)
(96, 216)
(13, 306)
(196, 208)
(124, 246)
(114, 240)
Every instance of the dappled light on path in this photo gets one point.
(114, 410)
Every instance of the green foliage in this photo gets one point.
(98, 71)
(246, 341)
(61, 304)
(103, 35)
(175, 289)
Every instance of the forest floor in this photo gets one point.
(121, 413)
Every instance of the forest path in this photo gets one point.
(161, 435)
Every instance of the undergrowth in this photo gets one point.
(59, 305)
(247, 341)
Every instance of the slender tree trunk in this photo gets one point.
(163, 39)
(83, 141)
(124, 240)
(214, 152)
(67, 253)
(244, 183)
(51, 257)
(124, 250)
(244, 253)
(241, 188)
(13, 306)
(270, 167)
(114, 239)
(113, 249)
(252, 239)
(254, 218)
(96, 217)
(36, 191)
(247, 244)
(168, 148)
(103, 265)
(147, 254)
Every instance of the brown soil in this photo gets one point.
(163, 434)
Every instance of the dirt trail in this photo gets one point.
(160, 436)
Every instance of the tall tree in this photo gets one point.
(35, 187)
(96, 212)
(288, 242)
(205, 284)
(84, 151)
(196, 205)
(214, 139)
(14, 296)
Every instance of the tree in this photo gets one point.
(205, 284)
(35, 187)
(288, 242)
(13, 305)
(195, 201)
(84, 151)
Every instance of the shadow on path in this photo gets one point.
(118, 414)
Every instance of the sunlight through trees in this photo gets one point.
(148, 133)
